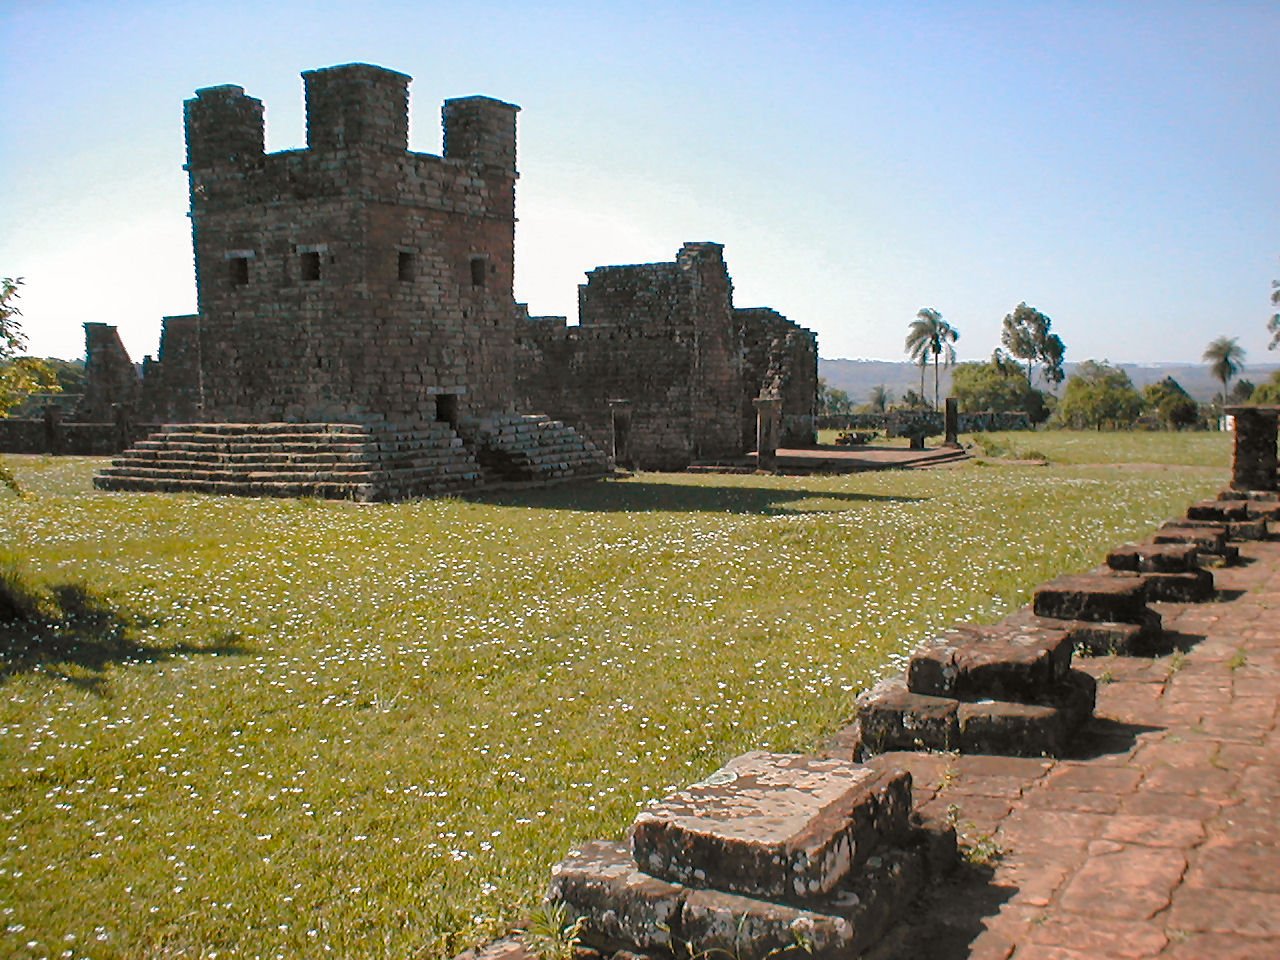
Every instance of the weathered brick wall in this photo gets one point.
(352, 279)
(171, 382)
(666, 337)
(573, 372)
(658, 334)
(780, 358)
(717, 347)
(31, 435)
(110, 376)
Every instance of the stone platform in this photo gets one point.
(771, 853)
(353, 461)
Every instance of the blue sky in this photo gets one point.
(1114, 164)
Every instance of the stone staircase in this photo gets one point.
(340, 461)
(532, 448)
(353, 461)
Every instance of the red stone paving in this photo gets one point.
(1161, 838)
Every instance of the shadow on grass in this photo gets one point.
(74, 634)
(644, 497)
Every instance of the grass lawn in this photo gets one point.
(310, 728)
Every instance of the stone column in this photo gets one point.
(1254, 466)
(53, 428)
(122, 417)
(620, 421)
(951, 423)
(768, 422)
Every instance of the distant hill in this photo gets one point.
(858, 377)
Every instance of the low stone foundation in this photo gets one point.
(770, 854)
(350, 461)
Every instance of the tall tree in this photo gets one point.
(1026, 334)
(931, 336)
(1225, 358)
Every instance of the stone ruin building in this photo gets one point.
(667, 337)
(357, 334)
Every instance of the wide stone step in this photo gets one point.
(1152, 557)
(891, 717)
(1097, 638)
(1001, 662)
(770, 854)
(773, 825)
(1092, 596)
(1208, 538)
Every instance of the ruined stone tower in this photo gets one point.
(352, 279)
(355, 335)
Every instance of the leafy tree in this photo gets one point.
(999, 386)
(1225, 358)
(832, 401)
(69, 374)
(18, 375)
(931, 336)
(912, 401)
(1268, 391)
(1099, 395)
(1241, 391)
(11, 339)
(1171, 404)
(1026, 336)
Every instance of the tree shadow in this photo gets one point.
(647, 497)
(948, 917)
(1103, 737)
(80, 633)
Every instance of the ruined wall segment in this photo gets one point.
(352, 279)
(666, 337)
(780, 359)
(171, 382)
(110, 377)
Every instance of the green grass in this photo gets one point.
(310, 728)
(1137, 447)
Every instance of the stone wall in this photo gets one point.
(32, 435)
(110, 376)
(779, 359)
(352, 279)
(666, 337)
(171, 383)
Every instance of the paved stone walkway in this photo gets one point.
(1159, 837)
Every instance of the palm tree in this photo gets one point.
(1225, 358)
(880, 398)
(931, 336)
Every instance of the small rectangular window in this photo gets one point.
(478, 270)
(311, 266)
(239, 268)
(404, 267)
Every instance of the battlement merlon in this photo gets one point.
(222, 126)
(357, 105)
(481, 131)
